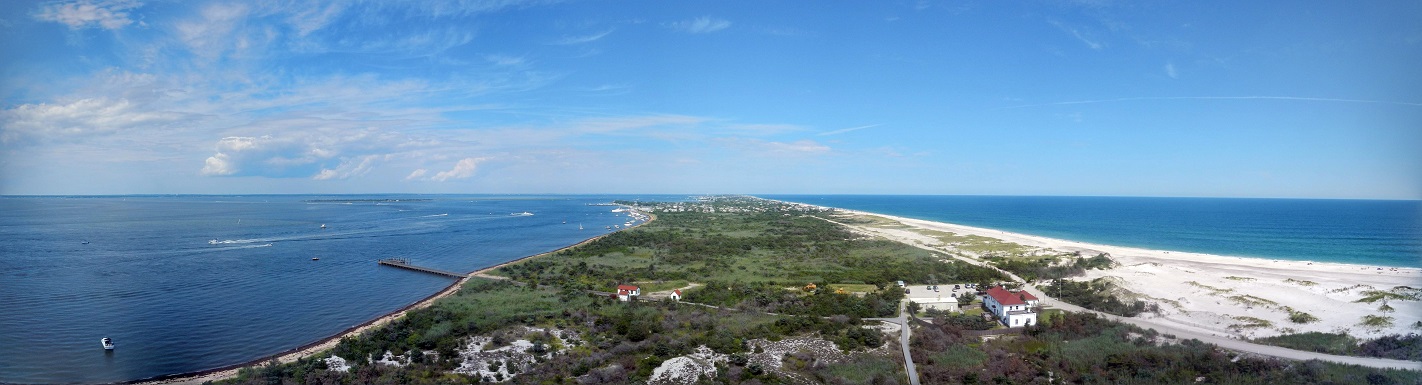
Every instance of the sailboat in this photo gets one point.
(580, 226)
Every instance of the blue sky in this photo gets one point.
(1253, 99)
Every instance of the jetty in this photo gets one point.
(401, 263)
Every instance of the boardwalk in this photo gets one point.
(396, 262)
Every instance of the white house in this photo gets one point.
(934, 300)
(627, 292)
(675, 295)
(1013, 309)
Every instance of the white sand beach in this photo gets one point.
(1209, 293)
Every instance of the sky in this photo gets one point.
(1299, 99)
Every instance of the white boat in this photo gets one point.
(108, 343)
(580, 226)
(323, 225)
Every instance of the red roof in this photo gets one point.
(677, 291)
(1005, 297)
(624, 289)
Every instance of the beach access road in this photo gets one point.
(905, 332)
(1164, 327)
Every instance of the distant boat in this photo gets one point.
(84, 243)
(580, 226)
(323, 225)
(315, 259)
(108, 343)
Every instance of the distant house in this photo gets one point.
(627, 292)
(1013, 309)
(675, 295)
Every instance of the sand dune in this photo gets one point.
(1211, 293)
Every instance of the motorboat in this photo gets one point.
(108, 343)
(323, 225)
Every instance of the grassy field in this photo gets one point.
(776, 248)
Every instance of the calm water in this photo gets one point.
(151, 278)
(1387, 233)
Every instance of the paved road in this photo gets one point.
(904, 333)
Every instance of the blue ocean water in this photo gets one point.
(188, 283)
(1366, 232)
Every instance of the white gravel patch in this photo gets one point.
(337, 364)
(505, 362)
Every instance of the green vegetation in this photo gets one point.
(1375, 321)
(1237, 278)
(1250, 323)
(1213, 290)
(1096, 295)
(1398, 347)
(1033, 269)
(1082, 348)
(1400, 293)
(744, 260)
(1299, 317)
(1249, 300)
(1300, 282)
(977, 244)
(634, 337)
(775, 299)
(747, 259)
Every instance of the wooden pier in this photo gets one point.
(401, 263)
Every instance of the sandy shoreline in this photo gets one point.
(1210, 293)
(327, 343)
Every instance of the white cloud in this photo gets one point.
(464, 169)
(758, 147)
(1170, 71)
(704, 24)
(504, 60)
(77, 120)
(844, 130)
(349, 168)
(317, 148)
(1083, 36)
(571, 40)
(217, 31)
(315, 17)
(416, 174)
(106, 14)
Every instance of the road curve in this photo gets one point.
(1229, 343)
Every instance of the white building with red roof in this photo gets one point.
(675, 295)
(627, 292)
(1013, 309)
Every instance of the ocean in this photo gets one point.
(189, 283)
(1364, 232)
